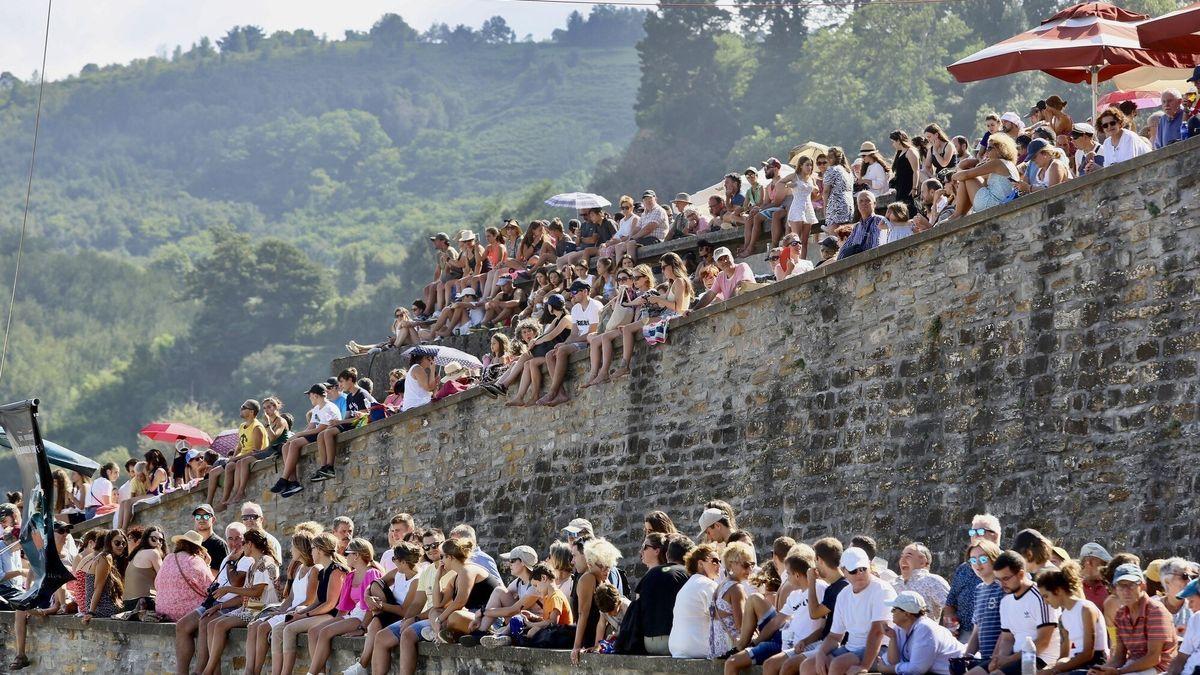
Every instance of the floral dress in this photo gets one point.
(721, 631)
(839, 206)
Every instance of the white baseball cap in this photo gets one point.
(525, 554)
(722, 252)
(1012, 118)
(854, 558)
(710, 517)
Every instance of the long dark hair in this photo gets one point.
(155, 461)
(901, 137)
(118, 561)
(144, 542)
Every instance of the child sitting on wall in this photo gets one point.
(550, 629)
(612, 606)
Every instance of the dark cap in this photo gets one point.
(772, 161)
(440, 236)
(318, 389)
(7, 510)
(330, 382)
(578, 286)
(62, 528)
(829, 242)
(556, 300)
(648, 193)
(1195, 75)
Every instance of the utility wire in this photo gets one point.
(37, 124)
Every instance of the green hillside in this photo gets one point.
(210, 226)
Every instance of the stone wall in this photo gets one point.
(64, 645)
(1038, 362)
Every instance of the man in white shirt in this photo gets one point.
(861, 616)
(585, 313)
(1187, 659)
(324, 412)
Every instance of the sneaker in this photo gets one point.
(279, 486)
(427, 634)
(291, 489)
(497, 626)
(327, 470)
(356, 669)
(468, 641)
(323, 473)
(493, 641)
(447, 636)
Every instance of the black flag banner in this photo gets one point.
(36, 536)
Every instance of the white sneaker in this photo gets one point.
(427, 634)
(356, 669)
(493, 641)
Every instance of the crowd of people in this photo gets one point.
(826, 607)
(550, 289)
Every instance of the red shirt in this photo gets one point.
(1153, 623)
(1096, 591)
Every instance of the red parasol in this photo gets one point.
(1093, 41)
(1177, 31)
(169, 432)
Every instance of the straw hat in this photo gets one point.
(191, 536)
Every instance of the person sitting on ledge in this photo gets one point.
(358, 407)
(323, 413)
(733, 279)
(866, 233)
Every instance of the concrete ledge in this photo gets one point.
(63, 644)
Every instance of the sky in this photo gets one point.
(116, 31)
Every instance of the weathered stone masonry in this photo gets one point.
(1039, 363)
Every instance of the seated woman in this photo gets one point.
(499, 356)
(692, 620)
(142, 570)
(527, 332)
(620, 312)
(655, 309)
(354, 612)
(1050, 169)
(557, 328)
(257, 592)
(302, 585)
(321, 607)
(421, 381)
(504, 304)
(387, 599)
(103, 582)
(476, 264)
(537, 294)
(401, 317)
(473, 585)
(990, 183)
(137, 489)
(278, 425)
(508, 261)
(456, 314)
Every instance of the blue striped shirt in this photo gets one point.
(987, 616)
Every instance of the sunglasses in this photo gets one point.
(1111, 123)
(979, 560)
(860, 570)
(795, 243)
(250, 516)
(430, 547)
(648, 545)
(118, 542)
(977, 531)
(714, 560)
(156, 540)
(202, 516)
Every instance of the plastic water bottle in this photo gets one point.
(1029, 657)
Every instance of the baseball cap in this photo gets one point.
(467, 291)
(854, 558)
(1154, 571)
(7, 510)
(578, 525)
(908, 601)
(501, 280)
(648, 193)
(1094, 550)
(525, 554)
(683, 197)
(1128, 572)
(1083, 128)
(1013, 118)
(318, 389)
(578, 286)
(440, 236)
(772, 161)
(1193, 588)
(204, 508)
(1195, 75)
(556, 300)
(750, 169)
(722, 252)
(829, 242)
(193, 455)
(709, 517)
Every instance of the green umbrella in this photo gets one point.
(60, 456)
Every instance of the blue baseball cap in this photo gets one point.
(1195, 75)
(1193, 588)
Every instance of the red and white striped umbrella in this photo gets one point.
(1092, 41)
(1174, 31)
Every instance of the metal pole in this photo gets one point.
(1095, 83)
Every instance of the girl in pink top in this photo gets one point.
(354, 615)
(183, 577)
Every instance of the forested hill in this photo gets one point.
(210, 226)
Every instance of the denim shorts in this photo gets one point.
(395, 629)
(857, 651)
(770, 211)
(765, 650)
(418, 627)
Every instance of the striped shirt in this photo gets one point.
(1152, 623)
(986, 616)
(1023, 614)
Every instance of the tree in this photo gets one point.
(241, 39)
(495, 31)
(391, 32)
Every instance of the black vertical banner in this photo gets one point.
(47, 571)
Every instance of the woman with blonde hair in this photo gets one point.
(301, 585)
(355, 612)
(662, 307)
(321, 608)
(643, 285)
(594, 558)
(990, 183)
(257, 593)
(625, 228)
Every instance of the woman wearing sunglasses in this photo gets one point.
(1120, 143)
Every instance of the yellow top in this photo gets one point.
(246, 445)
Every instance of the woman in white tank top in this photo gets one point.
(419, 381)
(258, 631)
(1081, 622)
